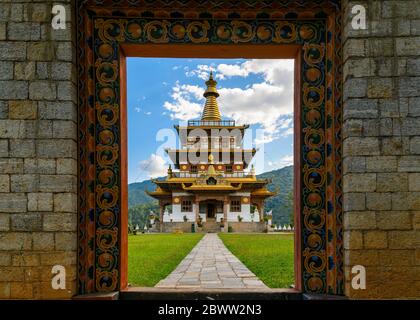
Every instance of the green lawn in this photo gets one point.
(269, 256)
(151, 257)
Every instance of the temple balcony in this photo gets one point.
(220, 123)
(183, 174)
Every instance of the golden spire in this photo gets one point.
(211, 109)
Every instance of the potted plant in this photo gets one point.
(185, 218)
(200, 222)
(240, 218)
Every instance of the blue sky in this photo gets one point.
(162, 92)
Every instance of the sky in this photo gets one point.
(163, 92)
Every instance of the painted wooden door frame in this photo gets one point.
(308, 31)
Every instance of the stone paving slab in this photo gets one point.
(211, 265)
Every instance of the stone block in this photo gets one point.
(409, 164)
(60, 110)
(58, 183)
(12, 51)
(40, 51)
(4, 223)
(359, 68)
(397, 257)
(26, 222)
(24, 70)
(21, 290)
(403, 239)
(360, 220)
(361, 257)
(24, 183)
(375, 239)
(380, 88)
(394, 220)
(359, 182)
(354, 48)
(413, 66)
(378, 201)
(392, 182)
(4, 148)
(4, 110)
(407, 46)
(40, 201)
(14, 90)
(62, 71)
(408, 87)
(67, 91)
(6, 70)
(392, 146)
(354, 201)
(355, 88)
(64, 129)
(4, 183)
(361, 146)
(15, 241)
(42, 90)
(57, 148)
(65, 202)
(380, 47)
(60, 222)
(360, 109)
(381, 164)
(39, 165)
(66, 241)
(405, 201)
(66, 166)
(354, 165)
(43, 241)
(40, 12)
(61, 258)
(13, 202)
(414, 181)
(25, 259)
(5, 259)
(45, 129)
(11, 166)
(11, 274)
(23, 31)
(64, 51)
(22, 109)
(352, 128)
(353, 240)
(22, 148)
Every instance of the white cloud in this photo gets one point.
(284, 161)
(268, 103)
(153, 167)
(137, 109)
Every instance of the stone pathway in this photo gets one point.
(211, 265)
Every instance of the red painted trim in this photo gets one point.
(124, 172)
(297, 170)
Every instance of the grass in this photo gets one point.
(151, 257)
(269, 256)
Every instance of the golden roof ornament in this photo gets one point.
(211, 108)
(170, 171)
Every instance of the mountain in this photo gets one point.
(140, 203)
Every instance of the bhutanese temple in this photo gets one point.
(211, 186)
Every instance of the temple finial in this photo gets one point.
(211, 109)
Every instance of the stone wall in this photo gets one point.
(38, 150)
(382, 149)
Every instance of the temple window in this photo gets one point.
(186, 206)
(235, 205)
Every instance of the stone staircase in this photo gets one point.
(211, 226)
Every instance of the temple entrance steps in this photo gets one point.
(211, 226)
